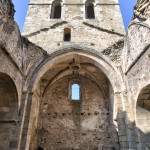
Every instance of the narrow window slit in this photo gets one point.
(75, 92)
(67, 34)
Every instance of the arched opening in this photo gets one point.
(75, 92)
(56, 9)
(89, 10)
(8, 113)
(64, 124)
(143, 117)
(67, 34)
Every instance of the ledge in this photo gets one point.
(102, 29)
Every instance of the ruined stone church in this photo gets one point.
(74, 79)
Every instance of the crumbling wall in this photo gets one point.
(142, 10)
(6, 9)
(33, 55)
(17, 56)
(8, 113)
(10, 35)
(137, 77)
(136, 40)
(66, 124)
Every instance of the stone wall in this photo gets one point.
(6, 9)
(137, 39)
(99, 33)
(67, 124)
(45, 96)
(142, 10)
(35, 77)
(137, 78)
(8, 113)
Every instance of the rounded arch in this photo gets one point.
(99, 60)
(111, 72)
(59, 56)
(9, 94)
(139, 90)
(8, 111)
(144, 97)
(143, 116)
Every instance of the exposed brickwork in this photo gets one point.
(65, 124)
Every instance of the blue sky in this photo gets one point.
(22, 5)
(75, 94)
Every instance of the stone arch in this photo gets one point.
(99, 61)
(138, 90)
(143, 117)
(8, 113)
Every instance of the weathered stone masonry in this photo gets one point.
(68, 42)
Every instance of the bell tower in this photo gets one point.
(92, 23)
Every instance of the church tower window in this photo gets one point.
(56, 9)
(89, 10)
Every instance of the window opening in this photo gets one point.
(56, 10)
(89, 10)
(75, 92)
(67, 34)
